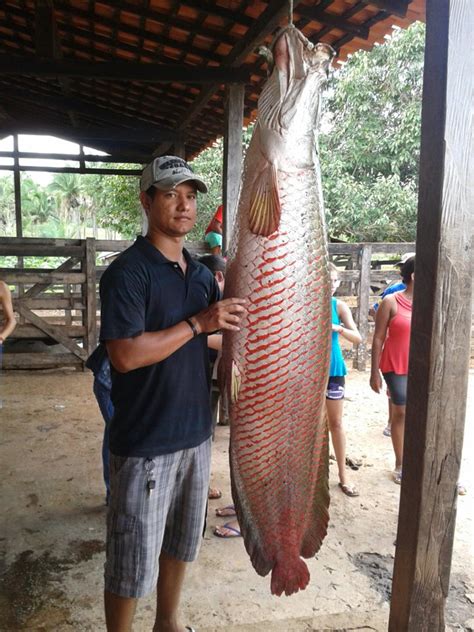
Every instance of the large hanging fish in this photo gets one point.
(275, 369)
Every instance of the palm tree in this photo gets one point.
(68, 192)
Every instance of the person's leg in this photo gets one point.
(119, 612)
(183, 534)
(169, 588)
(334, 409)
(398, 430)
(387, 430)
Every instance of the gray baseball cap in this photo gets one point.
(166, 172)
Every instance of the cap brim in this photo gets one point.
(170, 183)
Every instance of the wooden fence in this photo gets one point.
(57, 303)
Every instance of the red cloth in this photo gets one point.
(397, 344)
(217, 216)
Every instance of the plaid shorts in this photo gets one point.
(142, 523)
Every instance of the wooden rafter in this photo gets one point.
(397, 7)
(121, 71)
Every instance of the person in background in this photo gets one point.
(6, 303)
(342, 325)
(98, 363)
(390, 350)
(9, 322)
(157, 307)
(213, 234)
(391, 289)
(216, 264)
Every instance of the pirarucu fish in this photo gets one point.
(275, 369)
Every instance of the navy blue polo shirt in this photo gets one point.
(164, 407)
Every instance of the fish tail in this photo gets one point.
(289, 576)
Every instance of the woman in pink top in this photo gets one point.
(390, 349)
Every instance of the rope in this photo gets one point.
(290, 12)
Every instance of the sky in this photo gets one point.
(47, 144)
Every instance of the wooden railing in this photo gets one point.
(58, 303)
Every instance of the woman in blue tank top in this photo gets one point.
(342, 325)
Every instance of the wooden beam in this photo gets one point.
(89, 293)
(232, 169)
(30, 361)
(53, 331)
(26, 155)
(361, 352)
(212, 8)
(66, 266)
(96, 170)
(82, 106)
(17, 189)
(88, 135)
(441, 325)
(45, 29)
(268, 21)
(332, 20)
(121, 71)
(395, 7)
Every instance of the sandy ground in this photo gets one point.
(52, 526)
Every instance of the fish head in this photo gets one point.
(289, 104)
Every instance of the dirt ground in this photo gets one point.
(53, 514)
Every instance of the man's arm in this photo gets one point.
(127, 354)
(9, 322)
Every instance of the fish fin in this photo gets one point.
(319, 517)
(265, 206)
(289, 576)
(235, 384)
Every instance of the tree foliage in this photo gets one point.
(370, 151)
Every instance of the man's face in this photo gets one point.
(172, 213)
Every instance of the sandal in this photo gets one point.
(397, 476)
(232, 532)
(226, 512)
(349, 490)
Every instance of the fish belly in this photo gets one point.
(276, 371)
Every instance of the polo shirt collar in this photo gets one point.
(156, 256)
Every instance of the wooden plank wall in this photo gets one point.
(59, 303)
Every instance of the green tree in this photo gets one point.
(113, 200)
(370, 151)
(7, 206)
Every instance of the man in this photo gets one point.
(158, 305)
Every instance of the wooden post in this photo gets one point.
(18, 213)
(365, 256)
(234, 120)
(89, 296)
(441, 325)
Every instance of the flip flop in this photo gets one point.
(188, 627)
(354, 464)
(214, 493)
(349, 490)
(226, 512)
(235, 533)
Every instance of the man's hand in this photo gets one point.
(225, 314)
